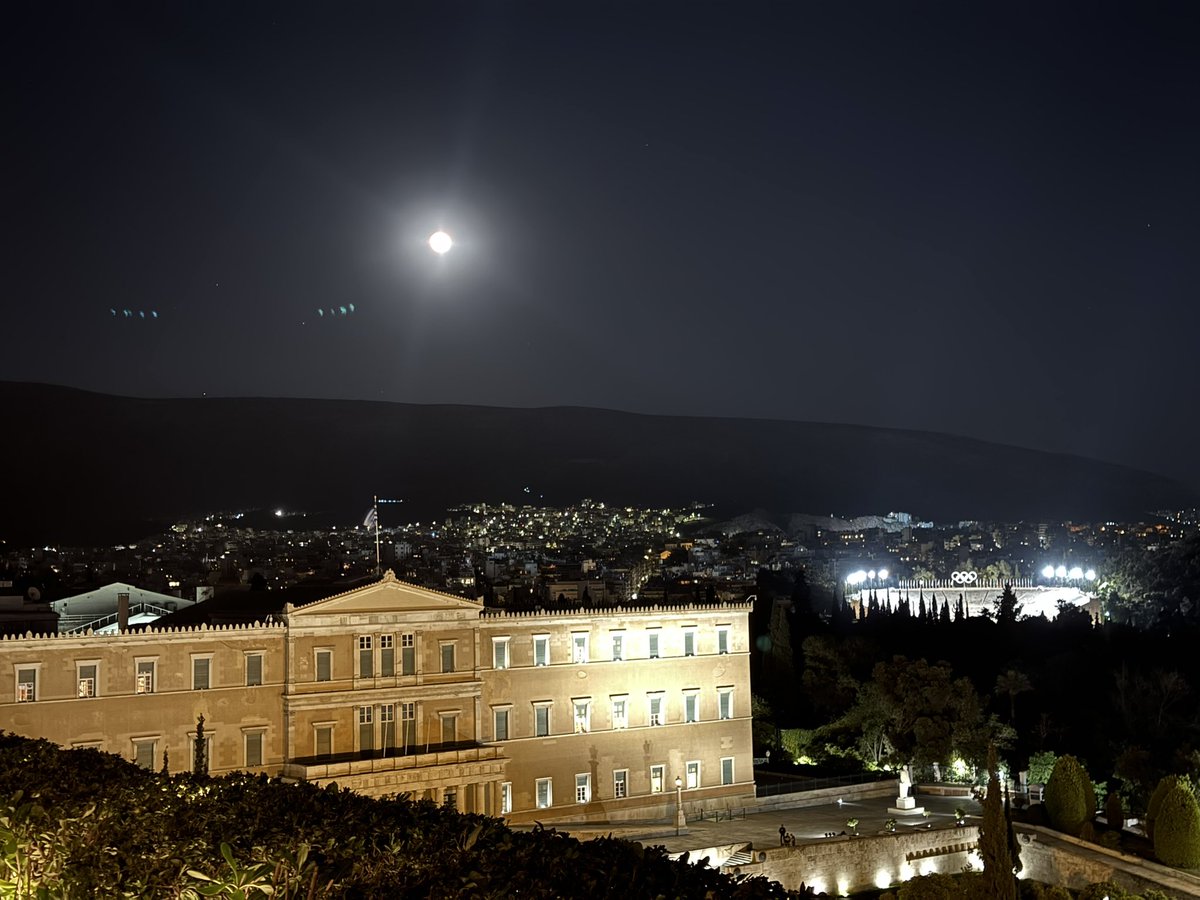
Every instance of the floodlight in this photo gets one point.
(1048, 572)
(1090, 574)
(1076, 573)
(871, 574)
(1061, 572)
(883, 573)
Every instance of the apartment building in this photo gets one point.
(393, 688)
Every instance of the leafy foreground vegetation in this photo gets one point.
(80, 823)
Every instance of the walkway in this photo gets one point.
(807, 823)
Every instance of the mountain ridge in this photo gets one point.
(92, 463)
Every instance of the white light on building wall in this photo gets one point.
(883, 574)
(871, 574)
(1061, 572)
(1076, 573)
(1090, 574)
(1048, 572)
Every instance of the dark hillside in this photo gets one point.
(83, 467)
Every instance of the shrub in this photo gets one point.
(1040, 767)
(1105, 890)
(1164, 785)
(1070, 797)
(1177, 827)
(1111, 840)
(1088, 833)
(940, 886)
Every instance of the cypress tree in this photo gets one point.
(1160, 791)
(1177, 828)
(1070, 797)
(993, 838)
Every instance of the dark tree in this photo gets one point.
(994, 849)
(1007, 607)
(199, 750)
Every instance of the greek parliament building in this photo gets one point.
(392, 688)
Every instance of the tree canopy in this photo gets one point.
(89, 824)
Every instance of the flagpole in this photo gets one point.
(378, 570)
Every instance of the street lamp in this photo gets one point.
(680, 821)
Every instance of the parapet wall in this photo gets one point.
(1056, 858)
(845, 865)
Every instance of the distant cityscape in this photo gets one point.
(591, 553)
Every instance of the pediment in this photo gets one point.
(388, 595)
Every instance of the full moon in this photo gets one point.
(440, 242)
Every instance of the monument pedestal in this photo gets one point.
(906, 806)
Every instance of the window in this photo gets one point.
(722, 638)
(689, 642)
(366, 657)
(143, 753)
(144, 676)
(387, 656)
(691, 706)
(366, 728)
(656, 709)
(726, 770)
(201, 673)
(618, 646)
(620, 712)
(541, 649)
(324, 665)
(323, 740)
(658, 775)
(387, 725)
(447, 657)
(653, 644)
(449, 727)
(254, 749)
(86, 678)
(579, 647)
(254, 666)
(545, 792)
(505, 797)
(583, 788)
(408, 724)
(500, 653)
(541, 719)
(692, 779)
(583, 715)
(725, 703)
(620, 783)
(408, 654)
(500, 719)
(26, 685)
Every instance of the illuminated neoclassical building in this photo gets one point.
(392, 688)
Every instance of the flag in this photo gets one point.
(372, 519)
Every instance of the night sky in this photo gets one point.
(963, 217)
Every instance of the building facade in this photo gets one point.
(393, 688)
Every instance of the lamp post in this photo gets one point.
(680, 821)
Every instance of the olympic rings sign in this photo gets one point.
(964, 577)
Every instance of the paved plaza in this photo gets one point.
(806, 823)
